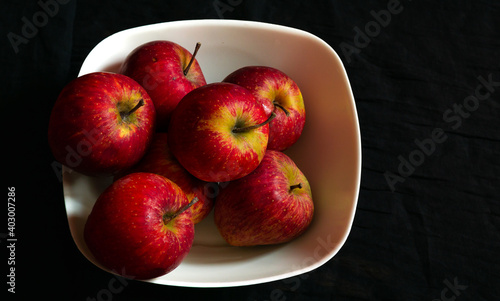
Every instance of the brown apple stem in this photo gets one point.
(282, 108)
(125, 114)
(299, 186)
(186, 70)
(167, 217)
(253, 127)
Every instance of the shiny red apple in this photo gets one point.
(101, 124)
(218, 132)
(278, 93)
(140, 226)
(159, 160)
(167, 71)
(271, 205)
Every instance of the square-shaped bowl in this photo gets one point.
(328, 152)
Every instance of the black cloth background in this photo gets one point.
(428, 69)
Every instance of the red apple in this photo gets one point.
(271, 205)
(159, 160)
(218, 132)
(167, 71)
(101, 124)
(278, 93)
(140, 226)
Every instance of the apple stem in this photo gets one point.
(253, 127)
(186, 70)
(124, 115)
(282, 108)
(167, 218)
(299, 186)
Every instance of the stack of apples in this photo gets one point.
(179, 148)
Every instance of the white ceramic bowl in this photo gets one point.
(328, 152)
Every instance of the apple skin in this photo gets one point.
(86, 131)
(261, 208)
(125, 230)
(271, 86)
(201, 133)
(159, 67)
(160, 160)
